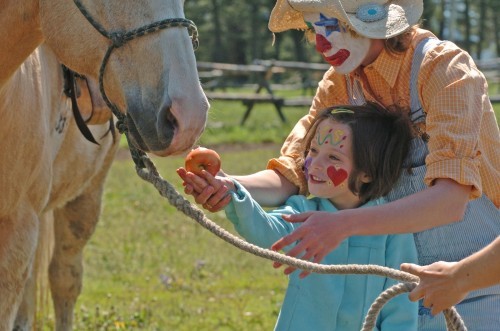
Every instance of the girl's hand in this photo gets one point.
(317, 237)
(209, 191)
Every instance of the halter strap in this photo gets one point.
(118, 39)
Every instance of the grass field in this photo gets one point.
(155, 269)
(148, 267)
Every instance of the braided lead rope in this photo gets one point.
(453, 320)
(382, 299)
(149, 173)
(166, 189)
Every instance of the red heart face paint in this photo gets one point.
(337, 176)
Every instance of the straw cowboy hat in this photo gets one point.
(375, 19)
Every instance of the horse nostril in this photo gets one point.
(166, 126)
(170, 118)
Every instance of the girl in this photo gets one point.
(353, 157)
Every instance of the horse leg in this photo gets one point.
(36, 291)
(26, 311)
(18, 238)
(74, 224)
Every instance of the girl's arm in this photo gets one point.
(256, 225)
(321, 232)
(268, 187)
(444, 284)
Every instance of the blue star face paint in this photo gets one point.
(330, 24)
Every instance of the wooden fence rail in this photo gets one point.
(261, 72)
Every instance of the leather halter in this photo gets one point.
(118, 39)
(70, 90)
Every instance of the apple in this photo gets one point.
(202, 158)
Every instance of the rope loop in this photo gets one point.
(150, 174)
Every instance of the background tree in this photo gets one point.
(236, 31)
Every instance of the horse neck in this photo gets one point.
(19, 36)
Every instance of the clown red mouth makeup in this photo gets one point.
(338, 58)
(323, 46)
(339, 48)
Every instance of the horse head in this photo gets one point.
(148, 74)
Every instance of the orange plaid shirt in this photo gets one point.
(464, 142)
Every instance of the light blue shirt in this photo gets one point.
(330, 302)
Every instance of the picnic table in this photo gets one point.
(260, 72)
(219, 72)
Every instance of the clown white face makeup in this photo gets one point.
(338, 47)
(329, 164)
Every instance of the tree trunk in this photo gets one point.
(218, 49)
(495, 5)
(467, 41)
(442, 22)
(482, 19)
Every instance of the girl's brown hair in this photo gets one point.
(380, 144)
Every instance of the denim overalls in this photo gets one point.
(480, 225)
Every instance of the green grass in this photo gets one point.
(149, 267)
(262, 126)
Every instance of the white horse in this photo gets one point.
(47, 167)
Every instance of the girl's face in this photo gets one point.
(338, 46)
(329, 164)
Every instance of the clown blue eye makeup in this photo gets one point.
(330, 24)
